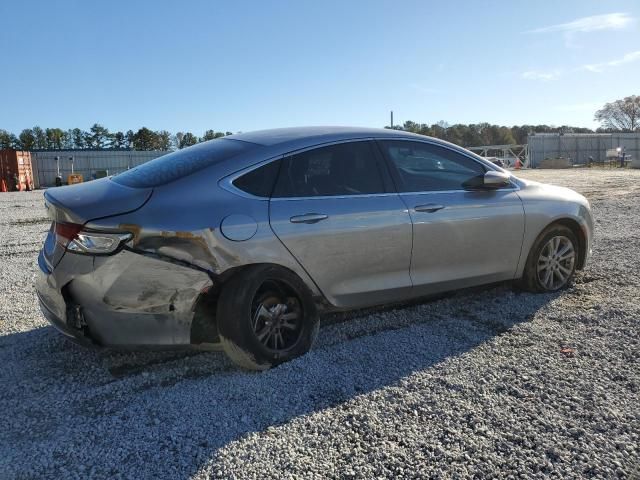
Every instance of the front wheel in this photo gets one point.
(552, 261)
(266, 316)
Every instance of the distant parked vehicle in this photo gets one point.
(240, 241)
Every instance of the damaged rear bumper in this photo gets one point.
(125, 300)
(74, 334)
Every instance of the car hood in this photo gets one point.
(552, 192)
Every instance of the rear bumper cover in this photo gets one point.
(124, 300)
(76, 335)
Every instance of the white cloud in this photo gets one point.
(610, 21)
(541, 76)
(600, 67)
(595, 23)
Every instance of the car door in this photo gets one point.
(462, 235)
(334, 209)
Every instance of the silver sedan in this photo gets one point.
(240, 242)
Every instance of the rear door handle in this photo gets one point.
(309, 218)
(429, 208)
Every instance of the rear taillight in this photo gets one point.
(65, 232)
(72, 237)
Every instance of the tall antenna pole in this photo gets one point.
(391, 118)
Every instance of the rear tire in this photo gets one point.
(552, 260)
(266, 316)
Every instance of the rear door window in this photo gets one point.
(336, 170)
(181, 163)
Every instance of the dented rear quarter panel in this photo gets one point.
(181, 221)
(132, 299)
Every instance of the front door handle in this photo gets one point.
(429, 208)
(309, 218)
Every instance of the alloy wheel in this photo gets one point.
(276, 318)
(556, 263)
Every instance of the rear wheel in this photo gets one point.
(552, 261)
(266, 316)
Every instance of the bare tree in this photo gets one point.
(621, 115)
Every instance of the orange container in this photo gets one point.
(74, 178)
(15, 170)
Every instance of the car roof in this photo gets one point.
(281, 141)
(299, 137)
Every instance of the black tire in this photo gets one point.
(532, 279)
(241, 298)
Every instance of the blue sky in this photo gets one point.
(246, 65)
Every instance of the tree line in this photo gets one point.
(477, 134)
(619, 116)
(99, 137)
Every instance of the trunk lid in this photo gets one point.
(84, 202)
(101, 198)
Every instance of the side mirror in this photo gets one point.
(495, 179)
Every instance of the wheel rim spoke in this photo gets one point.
(288, 326)
(262, 312)
(277, 319)
(278, 336)
(264, 335)
(289, 316)
(567, 256)
(564, 250)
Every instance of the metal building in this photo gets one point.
(579, 147)
(88, 163)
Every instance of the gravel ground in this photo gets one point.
(484, 383)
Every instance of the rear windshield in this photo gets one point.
(179, 164)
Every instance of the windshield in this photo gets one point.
(181, 163)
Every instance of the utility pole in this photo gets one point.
(391, 118)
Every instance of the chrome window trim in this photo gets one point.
(226, 183)
(513, 188)
(328, 144)
(323, 197)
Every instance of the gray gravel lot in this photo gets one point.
(486, 383)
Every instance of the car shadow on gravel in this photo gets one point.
(192, 405)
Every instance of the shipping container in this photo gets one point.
(16, 173)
